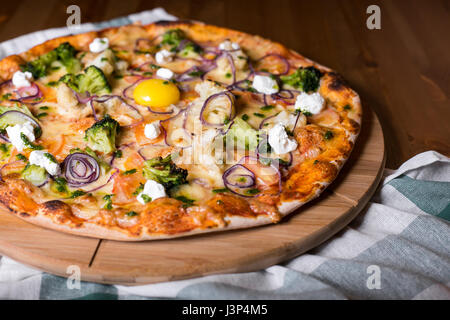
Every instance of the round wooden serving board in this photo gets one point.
(134, 263)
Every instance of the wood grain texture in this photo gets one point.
(243, 250)
(400, 71)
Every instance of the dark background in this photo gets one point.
(401, 71)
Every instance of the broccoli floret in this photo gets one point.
(164, 171)
(191, 48)
(64, 53)
(306, 79)
(92, 80)
(242, 135)
(35, 174)
(102, 135)
(173, 37)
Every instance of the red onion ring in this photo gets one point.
(232, 66)
(35, 93)
(231, 115)
(81, 99)
(80, 169)
(234, 187)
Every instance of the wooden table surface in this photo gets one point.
(400, 71)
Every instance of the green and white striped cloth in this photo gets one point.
(398, 248)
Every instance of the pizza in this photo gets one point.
(167, 130)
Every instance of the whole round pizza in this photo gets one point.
(167, 130)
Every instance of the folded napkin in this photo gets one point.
(397, 248)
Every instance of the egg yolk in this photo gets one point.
(156, 93)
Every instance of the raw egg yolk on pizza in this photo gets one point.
(156, 93)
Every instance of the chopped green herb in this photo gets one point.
(187, 202)
(252, 191)
(44, 108)
(118, 154)
(260, 115)
(245, 117)
(316, 162)
(196, 73)
(166, 82)
(132, 213)
(138, 189)
(118, 76)
(146, 198)
(307, 113)
(108, 204)
(55, 68)
(142, 51)
(347, 107)
(61, 184)
(328, 135)
(41, 115)
(267, 108)
(154, 66)
(52, 83)
(4, 147)
(226, 121)
(77, 193)
(148, 73)
(222, 190)
(6, 96)
(50, 157)
(228, 75)
(21, 157)
(129, 172)
(219, 202)
(28, 143)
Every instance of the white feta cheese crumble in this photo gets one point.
(228, 46)
(14, 133)
(165, 73)
(152, 130)
(152, 189)
(312, 103)
(265, 84)
(99, 45)
(39, 158)
(22, 79)
(280, 141)
(164, 56)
